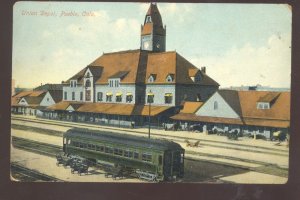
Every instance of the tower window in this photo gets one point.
(148, 19)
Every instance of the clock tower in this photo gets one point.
(153, 34)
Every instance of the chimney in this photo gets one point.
(203, 70)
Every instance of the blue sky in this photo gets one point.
(240, 44)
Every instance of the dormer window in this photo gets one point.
(263, 105)
(152, 78)
(198, 78)
(170, 78)
(114, 82)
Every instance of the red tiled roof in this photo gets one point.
(195, 118)
(139, 65)
(110, 108)
(279, 110)
(191, 107)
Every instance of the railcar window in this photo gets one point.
(89, 146)
(128, 154)
(99, 148)
(118, 152)
(147, 157)
(93, 147)
(80, 145)
(76, 144)
(109, 150)
(136, 155)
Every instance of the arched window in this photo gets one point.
(87, 83)
(215, 105)
(88, 74)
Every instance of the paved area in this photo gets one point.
(255, 178)
(47, 165)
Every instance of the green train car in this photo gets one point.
(151, 159)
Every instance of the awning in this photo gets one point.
(109, 94)
(168, 95)
(128, 93)
(119, 94)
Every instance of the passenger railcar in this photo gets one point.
(152, 159)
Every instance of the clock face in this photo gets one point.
(146, 45)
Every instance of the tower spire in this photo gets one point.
(153, 34)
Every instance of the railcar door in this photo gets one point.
(64, 144)
(167, 165)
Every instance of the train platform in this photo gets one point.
(161, 133)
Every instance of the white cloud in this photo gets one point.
(268, 65)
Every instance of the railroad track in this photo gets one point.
(21, 173)
(36, 147)
(217, 144)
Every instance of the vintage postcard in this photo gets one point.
(151, 92)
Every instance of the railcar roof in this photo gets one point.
(119, 138)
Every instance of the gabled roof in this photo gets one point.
(244, 103)
(135, 66)
(280, 109)
(56, 95)
(31, 97)
(232, 98)
(49, 86)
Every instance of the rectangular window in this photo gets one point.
(73, 96)
(135, 155)
(160, 159)
(100, 96)
(65, 95)
(75, 83)
(150, 98)
(118, 152)
(129, 98)
(147, 157)
(109, 150)
(119, 98)
(100, 148)
(71, 83)
(128, 154)
(108, 98)
(168, 98)
(81, 96)
(87, 95)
